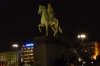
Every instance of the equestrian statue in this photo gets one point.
(48, 19)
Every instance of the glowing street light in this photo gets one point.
(82, 36)
(15, 45)
(79, 59)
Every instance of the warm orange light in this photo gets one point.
(94, 57)
(96, 50)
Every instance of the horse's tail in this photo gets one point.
(60, 30)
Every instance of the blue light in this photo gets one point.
(29, 45)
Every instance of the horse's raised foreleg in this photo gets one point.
(40, 26)
(46, 25)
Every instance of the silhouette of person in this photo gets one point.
(57, 62)
(62, 60)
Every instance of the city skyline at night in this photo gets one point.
(20, 19)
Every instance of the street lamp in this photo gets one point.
(81, 36)
(15, 46)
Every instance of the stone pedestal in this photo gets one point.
(47, 50)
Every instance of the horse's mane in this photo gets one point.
(43, 7)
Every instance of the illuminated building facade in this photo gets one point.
(27, 53)
(10, 57)
(85, 51)
(90, 49)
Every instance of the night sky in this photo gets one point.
(19, 20)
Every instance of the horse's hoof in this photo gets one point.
(54, 35)
(40, 30)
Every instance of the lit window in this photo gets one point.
(28, 48)
(85, 50)
(31, 50)
(31, 57)
(31, 54)
(74, 51)
(31, 47)
(22, 49)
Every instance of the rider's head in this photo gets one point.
(49, 5)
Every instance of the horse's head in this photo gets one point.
(41, 8)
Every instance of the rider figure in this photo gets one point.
(50, 12)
